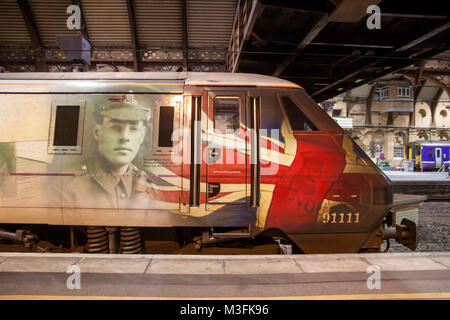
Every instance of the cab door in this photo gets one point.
(226, 147)
(231, 149)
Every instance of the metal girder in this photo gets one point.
(244, 21)
(412, 16)
(351, 10)
(28, 18)
(312, 7)
(137, 65)
(424, 76)
(185, 35)
(305, 41)
(396, 51)
(426, 36)
(420, 72)
(35, 37)
(338, 13)
(351, 45)
(441, 84)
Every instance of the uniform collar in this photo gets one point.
(109, 181)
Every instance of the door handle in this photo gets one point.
(213, 155)
(213, 152)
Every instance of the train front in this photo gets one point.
(333, 198)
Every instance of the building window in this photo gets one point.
(423, 113)
(381, 93)
(337, 112)
(398, 152)
(377, 95)
(384, 93)
(404, 92)
(443, 113)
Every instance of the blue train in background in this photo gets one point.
(429, 154)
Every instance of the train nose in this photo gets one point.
(382, 195)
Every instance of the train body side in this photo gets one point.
(284, 165)
(428, 154)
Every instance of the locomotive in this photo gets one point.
(118, 153)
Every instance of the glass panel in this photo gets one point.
(226, 114)
(66, 125)
(165, 126)
(296, 117)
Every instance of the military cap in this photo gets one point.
(123, 107)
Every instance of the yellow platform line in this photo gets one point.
(381, 296)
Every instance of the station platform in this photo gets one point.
(418, 176)
(268, 277)
(434, 185)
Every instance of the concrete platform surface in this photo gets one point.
(417, 176)
(222, 264)
(342, 276)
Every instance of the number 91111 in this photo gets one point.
(340, 218)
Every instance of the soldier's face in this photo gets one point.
(119, 140)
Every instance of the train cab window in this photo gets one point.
(66, 129)
(165, 126)
(226, 114)
(417, 150)
(297, 119)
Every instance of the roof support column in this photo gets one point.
(185, 35)
(38, 46)
(137, 65)
(434, 104)
(369, 105)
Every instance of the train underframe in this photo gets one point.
(198, 240)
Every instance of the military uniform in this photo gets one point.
(93, 187)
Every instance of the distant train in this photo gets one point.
(115, 153)
(429, 154)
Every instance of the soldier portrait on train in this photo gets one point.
(108, 178)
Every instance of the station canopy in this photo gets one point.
(326, 46)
